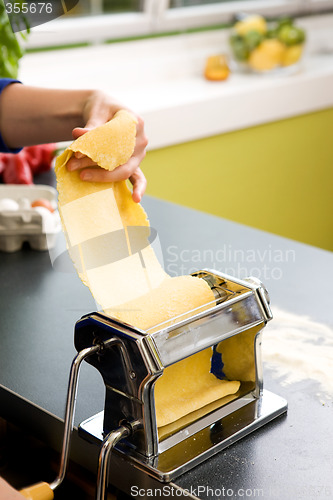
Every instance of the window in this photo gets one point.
(122, 5)
(188, 3)
(88, 7)
(93, 21)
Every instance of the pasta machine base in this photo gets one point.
(251, 414)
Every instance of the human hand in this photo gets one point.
(8, 493)
(99, 109)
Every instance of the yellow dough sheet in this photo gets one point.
(173, 297)
(185, 420)
(187, 386)
(107, 237)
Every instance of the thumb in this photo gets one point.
(78, 131)
(93, 122)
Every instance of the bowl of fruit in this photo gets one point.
(262, 47)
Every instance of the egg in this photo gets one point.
(8, 204)
(48, 220)
(43, 202)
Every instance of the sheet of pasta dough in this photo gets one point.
(107, 236)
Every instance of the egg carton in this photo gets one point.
(19, 223)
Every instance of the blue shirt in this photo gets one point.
(3, 84)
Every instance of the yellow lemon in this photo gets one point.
(292, 55)
(251, 23)
(267, 55)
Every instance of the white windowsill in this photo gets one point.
(162, 80)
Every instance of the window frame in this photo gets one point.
(215, 14)
(156, 17)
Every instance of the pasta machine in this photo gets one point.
(131, 361)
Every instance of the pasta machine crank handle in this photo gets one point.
(43, 490)
(125, 430)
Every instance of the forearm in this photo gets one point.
(30, 115)
(7, 492)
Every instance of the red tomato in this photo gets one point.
(3, 161)
(17, 170)
(40, 157)
(33, 156)
(48, 153)
(43, 202)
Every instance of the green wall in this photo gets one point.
(277, 177)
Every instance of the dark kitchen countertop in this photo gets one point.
(289, 458)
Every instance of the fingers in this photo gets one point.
(90, 172)
(79, 161)
(137, 178)
(139, 183)
(120, 173)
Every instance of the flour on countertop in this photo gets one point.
(297, 348)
